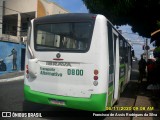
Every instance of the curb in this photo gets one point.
(12, 79)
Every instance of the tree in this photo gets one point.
(142, 15)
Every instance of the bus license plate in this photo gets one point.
(58, 102)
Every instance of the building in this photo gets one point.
(15, 14)
(14, 18)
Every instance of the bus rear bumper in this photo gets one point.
(95, 103)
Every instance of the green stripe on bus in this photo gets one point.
(95, 103)
(122, 79)
(111, 90)
(110, 96)
(122, 65)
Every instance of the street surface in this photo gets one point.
(11, 98)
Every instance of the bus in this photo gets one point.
(76, 60)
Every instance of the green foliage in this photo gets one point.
(142, 15)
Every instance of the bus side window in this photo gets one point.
(126, 52)
(121, 51)
(110, 46)
(129, 54)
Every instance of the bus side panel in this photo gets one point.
(101, 42)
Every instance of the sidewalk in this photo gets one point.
(12, 76)
(137, 96)
(146, 99)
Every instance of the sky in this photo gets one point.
(74, 6)
(77, 6)
(130, 35)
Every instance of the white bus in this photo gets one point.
(76, 61)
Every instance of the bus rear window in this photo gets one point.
(63, 36)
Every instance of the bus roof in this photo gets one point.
(68, 17)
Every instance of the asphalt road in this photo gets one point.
(11, 97)
(12, 100)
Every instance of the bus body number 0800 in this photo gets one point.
(75, 72)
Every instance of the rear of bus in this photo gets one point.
(66, 61)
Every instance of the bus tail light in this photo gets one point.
(95, 82)
(95, 77)
(95, 72)
(26, 66)
(27, 72)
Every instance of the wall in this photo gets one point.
(49, 8)
(1, 16)
(10, 57)
(40, 9)
(24, 6)
(20, 6)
